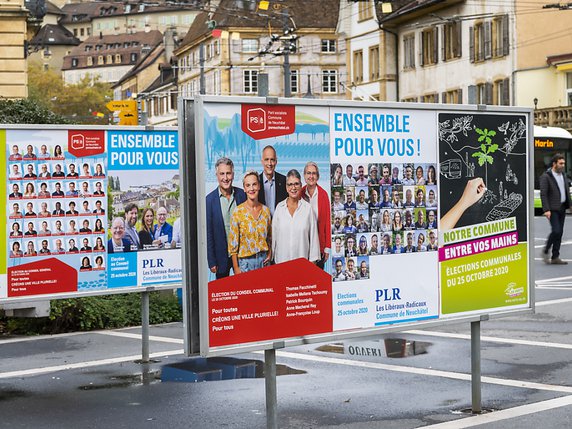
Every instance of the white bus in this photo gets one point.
(547, 142)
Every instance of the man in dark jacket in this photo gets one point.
(272, 184)
(221, 203)
(555, 197)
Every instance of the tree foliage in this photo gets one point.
(27, 111)
(78, 102)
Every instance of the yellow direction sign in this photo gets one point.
(127, 118)
(127, 111)
(122, 105)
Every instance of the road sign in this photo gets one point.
(122, 105)
(127, 111)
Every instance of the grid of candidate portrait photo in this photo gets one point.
(380, 209)
(56, 205)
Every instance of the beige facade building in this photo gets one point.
(544, 62)
(246, 44)
(13, 67)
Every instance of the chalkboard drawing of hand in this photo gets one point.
(474, 190)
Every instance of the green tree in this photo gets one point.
(77, 102)
(27, 111)
(174, 194)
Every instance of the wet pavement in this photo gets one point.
(398, 380)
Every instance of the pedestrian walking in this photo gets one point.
(555, 197)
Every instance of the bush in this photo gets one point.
(26, 111)
(97, 312)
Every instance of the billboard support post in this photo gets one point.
(476, 367)
(270, 382)
(145, 327)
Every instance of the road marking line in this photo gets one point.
(554, 301)
(138, 337)
(542, 259)
(80, 365)
(41, 337)
(556, 286)
(553, 279)
(424, 372)
(540, 246)
(509, 413)
(490, 339)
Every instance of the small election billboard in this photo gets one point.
(319, 219)
(88, 210)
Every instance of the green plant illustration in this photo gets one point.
(484, 157)
(487, 147)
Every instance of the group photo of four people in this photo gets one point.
(272, 218)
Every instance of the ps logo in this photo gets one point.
(256, 120)
(77, 141)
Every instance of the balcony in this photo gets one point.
(554, 117)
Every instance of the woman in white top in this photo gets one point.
(294, 225)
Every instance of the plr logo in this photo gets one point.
(256, 120)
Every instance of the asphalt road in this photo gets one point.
(91, 380)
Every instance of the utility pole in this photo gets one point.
(202, 84)
(287, 81)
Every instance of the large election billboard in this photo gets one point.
(318, 219)
(88, 210)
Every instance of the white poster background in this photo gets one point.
(401, 287)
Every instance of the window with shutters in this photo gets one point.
(454, 96)
(481, 93)
(365, 10)
(409, 51)
(501, 92)
(358, 66)
(451, 40)
(100, 60)
(374, 73)
(430, 98)
(409, 100)
(479, 42)
(500, 42)
(429, 46)
(89, 61)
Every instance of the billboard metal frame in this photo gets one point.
(113, 291)
(191, 115)
(195, 272)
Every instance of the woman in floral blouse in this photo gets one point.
(250, 230)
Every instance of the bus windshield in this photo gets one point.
(547, 142)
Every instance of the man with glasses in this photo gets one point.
(273, 184)
(294, 225)
(318, 199)
(162, 230)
